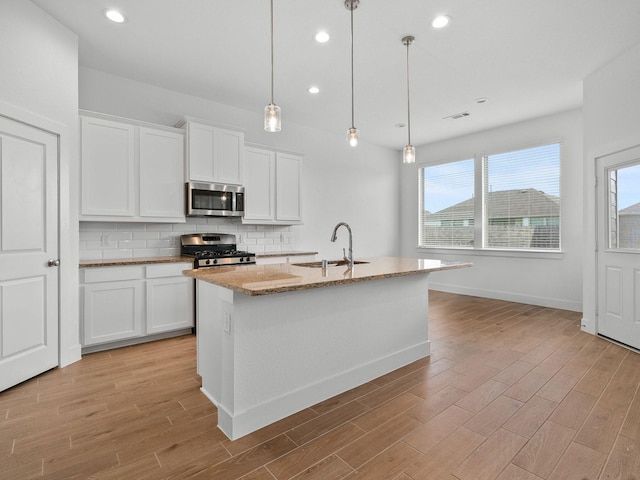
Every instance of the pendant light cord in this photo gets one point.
(352, 83)
(408, 98)
(272, 51)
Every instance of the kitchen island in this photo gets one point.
(275, 339)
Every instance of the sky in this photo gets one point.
(447, 184)
(451, 183)
(628, 186)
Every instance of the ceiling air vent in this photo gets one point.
(457, 116)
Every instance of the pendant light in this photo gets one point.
(408, 152)
(272, 118)
(352, 134)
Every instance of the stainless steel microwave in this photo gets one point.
(214, 200)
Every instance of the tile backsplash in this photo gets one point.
(107, 240)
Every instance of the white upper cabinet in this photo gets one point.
(288, 191)
(108, 168)
(259, 184)
(214, 154)
(229, 163)
(273, 187)
(161, 173)
(130, 171)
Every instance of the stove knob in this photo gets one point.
(215, 261)
(241, 259)
(248, 259)
(207, 262)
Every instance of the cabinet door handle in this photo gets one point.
(53, 263)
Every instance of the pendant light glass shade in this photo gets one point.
(272, 116)
(408, 152)
(352, 134)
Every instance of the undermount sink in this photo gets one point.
(330, 263)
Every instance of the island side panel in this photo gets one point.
(286, 352)
(213, 303)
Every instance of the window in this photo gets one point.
(624, 207)
(522, 198)
(514, 198)
(447, 205)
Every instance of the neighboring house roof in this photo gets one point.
(631, 210)
(518, 203)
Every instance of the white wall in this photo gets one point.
(554, 280)
(611, 124)
(359, 186)
(39, 77)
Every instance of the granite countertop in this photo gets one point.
(116, 262)
(291, 253)
(287, 277)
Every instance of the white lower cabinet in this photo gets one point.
(130, 304)
(169, 304)
(112, 311)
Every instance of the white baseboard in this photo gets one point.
(70, 355)
(135, 341)
(588, 326)
(209, 396)
(509, 297)
(238, 424)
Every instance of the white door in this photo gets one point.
(28, 241)
(618, 214)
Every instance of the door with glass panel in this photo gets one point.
(618, 214)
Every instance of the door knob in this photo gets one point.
(53, 263)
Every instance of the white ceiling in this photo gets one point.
(528, 57)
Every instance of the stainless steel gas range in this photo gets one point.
(214, 250)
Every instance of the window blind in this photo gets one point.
(522, 199)
(447, 205)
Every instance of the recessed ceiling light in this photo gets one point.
(314, 90)
(321, 37)
(115, 16)
(400, 125)
(441, 21)
(481, 100)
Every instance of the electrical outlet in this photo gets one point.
(105, 240)
(281, 237)
(227, 323)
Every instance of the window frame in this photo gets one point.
(479, 248)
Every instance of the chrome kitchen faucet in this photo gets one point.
(334, 236)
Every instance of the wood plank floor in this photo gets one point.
(511, 392)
